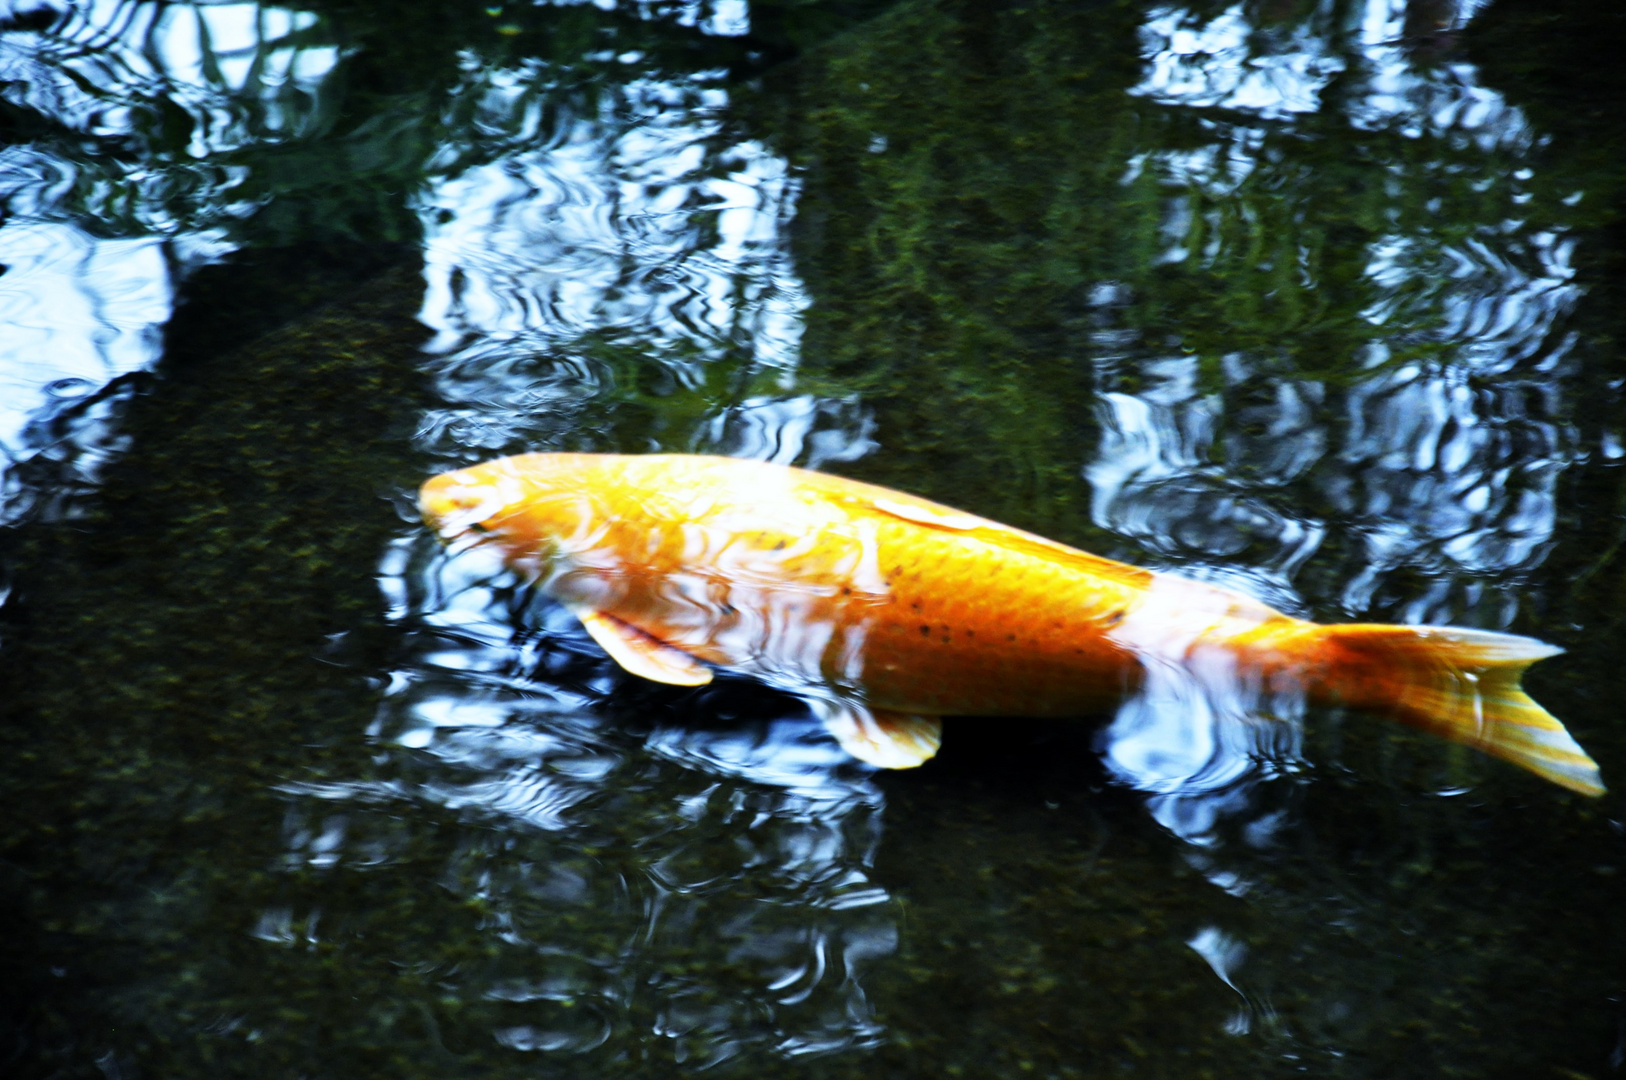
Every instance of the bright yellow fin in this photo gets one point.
(640, 653)
(1463, 685)
(885, 739)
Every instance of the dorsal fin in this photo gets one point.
(946, 519)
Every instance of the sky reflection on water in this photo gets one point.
(92, 243)
(631, 228)
(1424, 464)
(756, 835)
(1428, 461)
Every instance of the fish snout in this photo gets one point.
(455, 502)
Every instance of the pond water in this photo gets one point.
(1316, 299)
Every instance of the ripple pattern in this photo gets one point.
(1376, 422)
(626, 252)
(704, 880)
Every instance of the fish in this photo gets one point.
(888, 612)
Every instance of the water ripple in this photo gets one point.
(79, 313)
(739, 845)
(633, 250)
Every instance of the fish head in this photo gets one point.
(530, 505)
(467, 500)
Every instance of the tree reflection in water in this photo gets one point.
(1433, 446)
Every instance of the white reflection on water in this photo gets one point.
(1224, 953)
(619, 222)
(1201, 732)
(634, 228)
(99, 69)
(639, 229)
(1434, 466)
(1155, 478)
(78, 312)
(746, 843)
(1214, 64)
(1443, 468)
(806, 430)
(84, 303)
(1278, 70)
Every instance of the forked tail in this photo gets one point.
(1461, 684)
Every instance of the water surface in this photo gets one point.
(1318, 301)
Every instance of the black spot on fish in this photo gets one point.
(925, 631)
(846, 590)
(1010, 637)
(1115, 618)
(779, 546)
(915, 605)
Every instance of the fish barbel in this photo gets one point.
(894, 611)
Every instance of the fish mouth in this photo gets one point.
(455, 503)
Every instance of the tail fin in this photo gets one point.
(1461, 684)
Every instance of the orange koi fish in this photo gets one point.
(888, 611)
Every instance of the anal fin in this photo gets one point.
(638, 652)
(883, 738)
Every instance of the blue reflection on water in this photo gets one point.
(631, 222)
(639, 225)
(1433, 466)
(79, 312)
(1428, 464)
(631, 218)
(93, 242)
(528, 731)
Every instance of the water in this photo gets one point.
(1316, 301)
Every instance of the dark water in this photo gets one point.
(1318, 300)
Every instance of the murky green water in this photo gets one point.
(1318, 300)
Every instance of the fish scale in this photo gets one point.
(963, 632)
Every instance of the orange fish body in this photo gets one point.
(894, 610)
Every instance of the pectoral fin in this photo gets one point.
(885, 739)
(640, 653)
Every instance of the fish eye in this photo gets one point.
(453, 506)
(467, 498)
